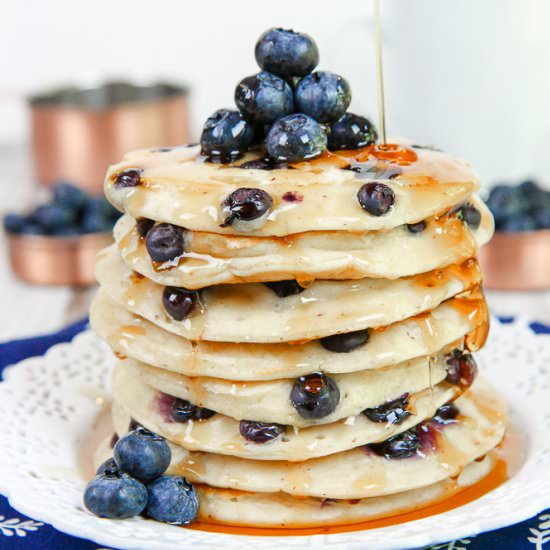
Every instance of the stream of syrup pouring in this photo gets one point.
(496, 477)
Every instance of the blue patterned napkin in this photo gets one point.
(18, 531)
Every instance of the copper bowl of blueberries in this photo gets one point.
(518, 256)
(56, 243)
(77, 131)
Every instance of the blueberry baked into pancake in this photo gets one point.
(295, 309)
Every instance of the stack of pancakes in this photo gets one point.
(404, 427)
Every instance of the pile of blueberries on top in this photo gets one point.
(71, 212)
(294, 112)
(523, 207)
(132, 482)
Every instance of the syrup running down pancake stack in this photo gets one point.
(301, 333)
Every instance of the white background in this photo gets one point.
(472, 76)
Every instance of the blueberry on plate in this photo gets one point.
(178, 302)
(461, 368)
(264, 97)
(225, 136)
(13, 223)
(323, 95)
(285, 288)
(286, 53)
(182, 410)
(403, 445)
(542, 217)
(260, 432)
(294, 138)
(391, 412)
(376, 198)
(69, 196)
(245, 204)
(108, 467)
(172, 499)
(345, 342)
(142, 454)
(165, 242)
(115, 495)
(315, 395)
(351, 132)
(51, 217)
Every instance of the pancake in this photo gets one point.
(254, 313)
(269, 401)
(133, 336)
(321, 195)
(215, 259)
(220, 434)
(446, 450)
(280, 510)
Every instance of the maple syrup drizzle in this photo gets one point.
(379, 72)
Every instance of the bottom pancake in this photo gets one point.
(280, 510)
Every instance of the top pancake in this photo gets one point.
(179, 187)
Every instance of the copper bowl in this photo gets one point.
(78, 132)
(56, 260)
(517, 261)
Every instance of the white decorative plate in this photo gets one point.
(48, 405)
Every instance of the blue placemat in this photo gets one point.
(18, 531)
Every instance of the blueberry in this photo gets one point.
(165, 242)
(416, 227)
(108, 467)
(263, 164)
(446, 414)
(32, 228)
(66, 232)
(470, 215)
(285, 288)
(294, 138)
(531, 190)
(286, 53)
(245, 204)
(225, 136)
(542, 217)
(461, 368)
(264, 97)
(69, 196)
(142, 454)
(143, 225)
(115, 495)
(323, 95)
(506, 202)
(50, 216)
(392, 412)
(98, 216)
(128, 178)
(345, 342)
(518, 224)
(182, 410)
(178, 302)
(13, 223)
(403, 445)
(315, 395)
(376, 198)
(172, 499)
(351, 132)
(260, 432)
